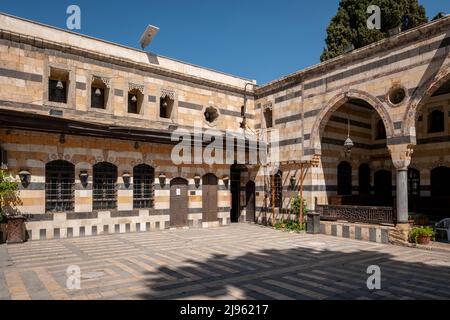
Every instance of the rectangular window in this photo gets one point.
(268, 118)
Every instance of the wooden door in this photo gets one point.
(209, 198)
(250, 199)
(179, 203)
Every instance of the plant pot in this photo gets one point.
(15, 230)
(425, 240)
(2, 232)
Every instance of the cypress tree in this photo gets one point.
(348, 28)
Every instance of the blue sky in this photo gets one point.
(256, 39)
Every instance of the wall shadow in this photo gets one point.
(301, 274)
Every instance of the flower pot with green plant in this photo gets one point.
(422, 235)
(9, 200)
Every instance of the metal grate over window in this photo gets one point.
(278, 189)
(59, 186)
(105, 186)
(143, 187)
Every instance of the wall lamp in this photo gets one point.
(25, 178)
(126, 179)
(162, 180)
(293, 182)
(226, 181)
(197, 179)
(84, 177)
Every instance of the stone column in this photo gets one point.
(402, 195)
(401, 158)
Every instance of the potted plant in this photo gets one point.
(422, 235)
(9, 199)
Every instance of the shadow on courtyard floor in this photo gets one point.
(303, 273)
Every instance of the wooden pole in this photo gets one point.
(300, 216)
(273, 200)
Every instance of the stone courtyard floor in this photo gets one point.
(237, 262)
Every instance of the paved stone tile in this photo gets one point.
(237, 262)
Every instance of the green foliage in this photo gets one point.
(291, 226)
(295, 206)
(9, 197)
(349, 26)
(417, 232)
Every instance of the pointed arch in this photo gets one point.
(339, 100)
(421, 96)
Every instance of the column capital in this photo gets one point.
(401, 155)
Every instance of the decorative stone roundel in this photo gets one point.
(396, 95)
(211, 115)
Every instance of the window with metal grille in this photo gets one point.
(105, 186)
(143, 187)
(413, 182)
(59, 186)
(278, 189)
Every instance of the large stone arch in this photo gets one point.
(339, 100)
(420, 98)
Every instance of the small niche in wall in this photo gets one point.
(58, 85)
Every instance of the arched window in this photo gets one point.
(278, 189)
(413, 182)
(143, 186)
(381, 130)
(344, 179)
(436, 121)
(105, 186)
(59, 186)
(383, 184)
(364, 179)
(439, 179)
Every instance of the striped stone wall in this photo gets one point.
(32, 150)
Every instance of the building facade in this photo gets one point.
(88, 127)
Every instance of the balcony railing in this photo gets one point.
(362, 214)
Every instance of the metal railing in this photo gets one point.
(362, 214)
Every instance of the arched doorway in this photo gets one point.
(364, 180)
(344, 179)
(179, 203)
(383, 186)
(251, 201)
(209, 198)
(235, 189)
(352, 133)
(439, 180)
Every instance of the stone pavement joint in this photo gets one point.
(238, 262)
